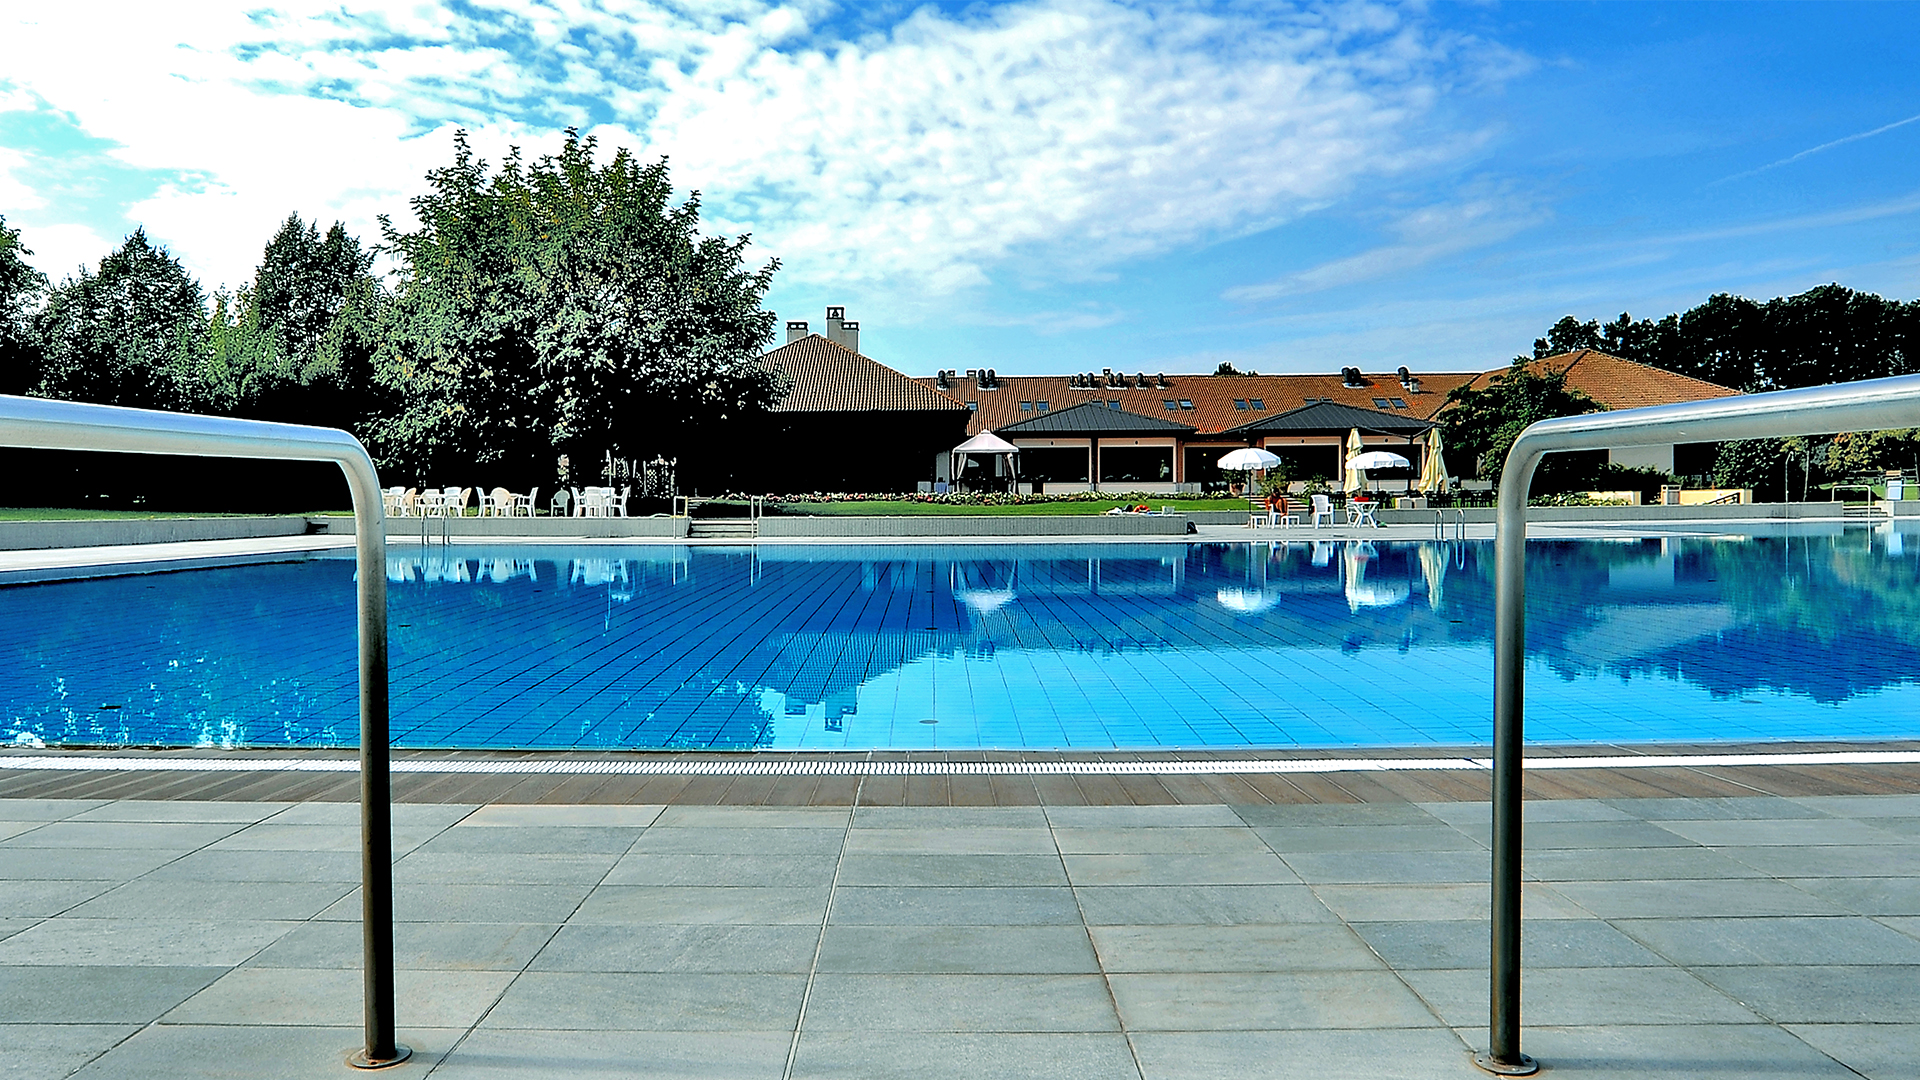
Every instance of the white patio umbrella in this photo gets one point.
(1433, 472)
(1248, 458)
(1375, 459)
(1356, 479)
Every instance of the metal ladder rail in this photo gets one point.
(38, 423)
(1869, 405)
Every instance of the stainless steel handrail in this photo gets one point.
(1872, 405)
(66, 425)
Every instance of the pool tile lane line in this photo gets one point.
(1166, 942)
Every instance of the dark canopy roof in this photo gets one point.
(1331, 416)
(1094, 418)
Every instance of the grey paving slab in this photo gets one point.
(1878, 1051)
(1002, 950)
(1181, 868)
(641, 1001)
(178, 810)
(150, 835)
(1142, 817)
(661, 840)
(117, 864)
(97, 995)
(1906, 924)
(276, 835)
(490, 1054)
(1754, 807)
(10, 829)
(1544, 836)
(45, 809)
(1544, 943)
(977, 1003)
(696, 904)
(465, 946)
(1245, 947)
(1390, 866)
(405, 815)
(231, 866)
(1480, 815)
(1835, 861)
(1440, 900)
(894, 869)
(949, 817)
(50, 1051)
(1584, 997)
(212, 901)
(308, 997)
(1759, 833)
(1342, 838)
(423, 865)
(1836, 940)
(1679, 1051)
(228, 1052)
(1907, 827)
(1857, 806)
(1300, 815)
(1634, 864)
(1866, 895)
(719, 948)
(591, 815)
(1806, 994)
(688, 869)
(173, 942)
(544, 839)
(1385, 1054)
(954, 905)
(1147, 841)
(946, 1055)
(1215, 905)
(1674, 899)
(982, 840)
(38, 899)
(1266, 1001)
(756, 817)
(442, 902)
(10, 927)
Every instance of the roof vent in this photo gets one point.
(1406, 377)
(796, 329)
(1140, 381)
(1163, 383)
(945, 377)
(1413, 386)
(1350, 376)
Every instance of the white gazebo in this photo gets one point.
(985, 444)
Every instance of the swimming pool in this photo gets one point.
(1675, 639)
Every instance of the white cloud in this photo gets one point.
(60, 250)
(1426, 234)
(1046, 139)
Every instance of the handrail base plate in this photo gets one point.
(1526, 1066)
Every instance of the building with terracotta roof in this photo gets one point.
(847, 422)
(850, 423)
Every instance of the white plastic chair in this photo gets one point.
(617, 503)
(1322, 510)
(524, 502)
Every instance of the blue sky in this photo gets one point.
(1052, 185)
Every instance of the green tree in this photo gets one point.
(21, 290)
(300, 340)
(128, 333)
(564, 307)
(1479, 425)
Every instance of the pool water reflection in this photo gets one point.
(1031, 645)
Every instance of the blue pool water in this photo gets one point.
(1030, 645)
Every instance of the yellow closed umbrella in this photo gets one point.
(1433, 471)
(1356, 478)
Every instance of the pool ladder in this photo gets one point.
(1458, 524)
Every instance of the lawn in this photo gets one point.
(904, 508)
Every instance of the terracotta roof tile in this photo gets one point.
(1213, 397)
(829, 377)
(1095, 418)
(1621, 384)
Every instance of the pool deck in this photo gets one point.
(1739, 921)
